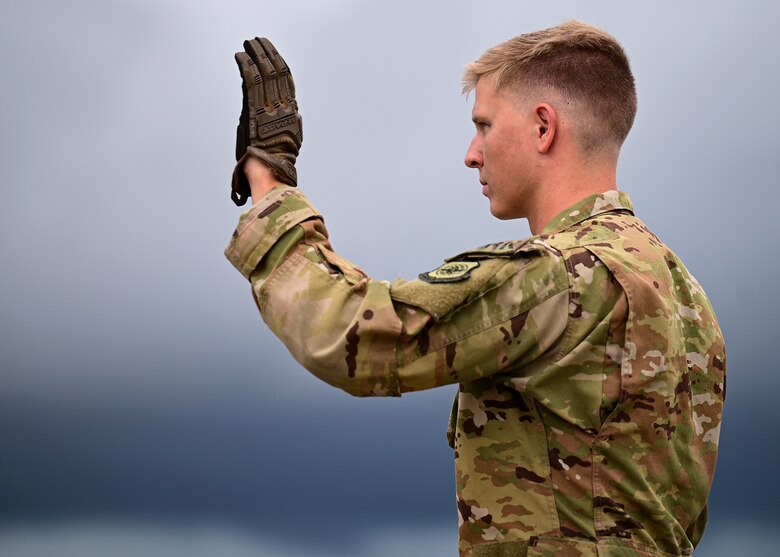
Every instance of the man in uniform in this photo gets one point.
(589, 361)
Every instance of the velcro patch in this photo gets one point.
(453, 271)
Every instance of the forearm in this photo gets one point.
(334, 320)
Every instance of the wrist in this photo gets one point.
(260, 177)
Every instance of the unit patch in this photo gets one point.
(454, 271)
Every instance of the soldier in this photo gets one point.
(590, 364)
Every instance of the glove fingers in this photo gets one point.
(255, 49)
(253, 82)
(286, 93)
(291, 91)
(263, 63)
(253, 85)
(273, 55)
(242, 131)
(284, 80)
(248, 69)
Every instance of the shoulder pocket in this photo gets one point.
(516, 548)
(439, 299)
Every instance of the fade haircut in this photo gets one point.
(582, 65)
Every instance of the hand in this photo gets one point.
(270, 127)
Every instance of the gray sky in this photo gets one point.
(136, 377)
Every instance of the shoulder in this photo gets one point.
(604, 230)
(618, 237)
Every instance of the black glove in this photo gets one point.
(270, 127)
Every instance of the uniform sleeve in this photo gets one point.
(372, 338)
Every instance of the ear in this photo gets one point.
(546, 121)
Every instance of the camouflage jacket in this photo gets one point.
(590, 366)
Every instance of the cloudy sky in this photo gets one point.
(143, 406)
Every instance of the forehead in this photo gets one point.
(488, 100)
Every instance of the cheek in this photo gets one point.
(489, 153)
(498, 157)
(500, 146)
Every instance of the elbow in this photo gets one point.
(355, 377)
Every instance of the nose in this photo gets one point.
(474, 155)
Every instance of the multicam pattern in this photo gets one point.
(590, 363)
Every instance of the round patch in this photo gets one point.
(454, 271)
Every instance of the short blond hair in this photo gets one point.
(582, 63)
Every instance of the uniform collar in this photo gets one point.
(589, 207)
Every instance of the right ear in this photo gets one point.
(546, 126)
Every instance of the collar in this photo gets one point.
(589, 207)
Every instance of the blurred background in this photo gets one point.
(145, 409)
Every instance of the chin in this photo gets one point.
(502, 213)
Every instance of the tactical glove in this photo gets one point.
(269, 127)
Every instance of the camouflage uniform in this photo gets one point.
(590, 366)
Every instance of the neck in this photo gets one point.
(563, 189)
